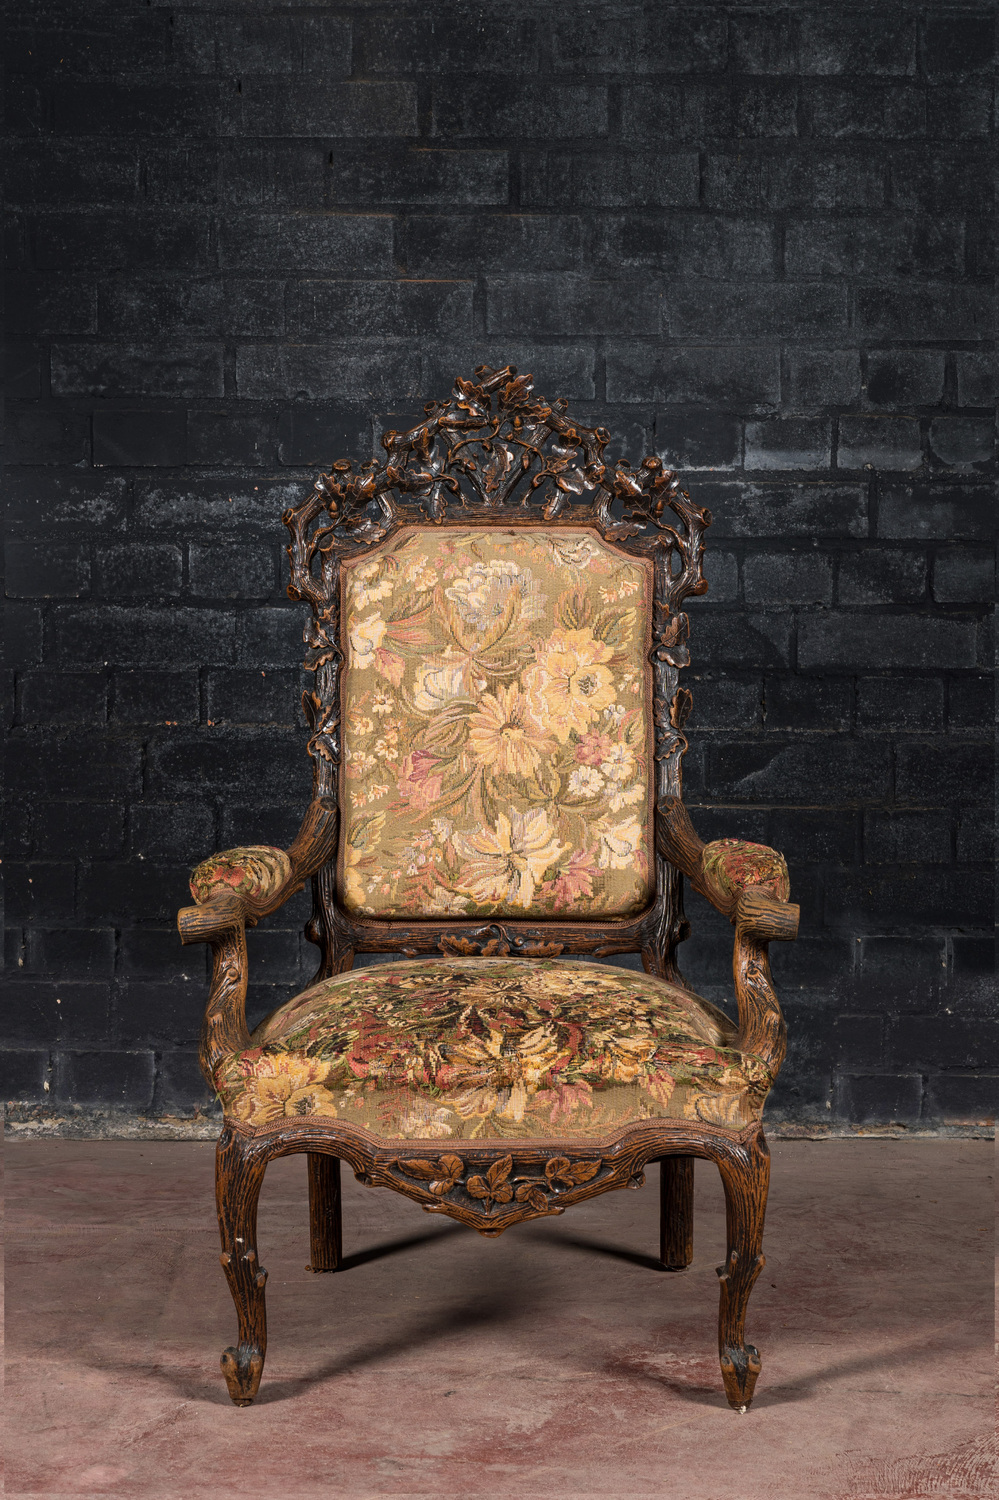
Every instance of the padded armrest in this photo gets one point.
(243, 885)
(747, 882)
(254, 874)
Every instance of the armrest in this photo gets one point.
(234, 890)
(749, 884)
(243, 885)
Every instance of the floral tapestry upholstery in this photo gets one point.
(496, 726)
(258, 870)
(463, 1049)
(733, 866)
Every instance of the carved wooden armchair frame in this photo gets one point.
(495, 456)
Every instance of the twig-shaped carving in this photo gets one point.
(448, 1180)
(491, 448)
(496, 941)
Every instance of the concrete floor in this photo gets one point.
(555, 1361)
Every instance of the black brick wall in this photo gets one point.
(243, 238)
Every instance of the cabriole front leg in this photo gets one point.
(745, 1172)
(239, 1171)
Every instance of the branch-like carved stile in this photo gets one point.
(492, 450)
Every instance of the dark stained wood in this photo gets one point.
(494, 454)
(745, 1173)
(239, 1172)
(325, 1232)
(470, 1188)
(676, 1212)
(759, 918)
(222, 922)
(224, 1030)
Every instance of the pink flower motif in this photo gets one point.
(417, 785)
(575, 879)
(594, 748)
(563, 1100)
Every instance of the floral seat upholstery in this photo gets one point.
(483, 1048)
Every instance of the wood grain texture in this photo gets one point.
(239, 1172)
(745, 1173)
(759, 918)
(222, 922)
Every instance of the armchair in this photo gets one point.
(497, 736)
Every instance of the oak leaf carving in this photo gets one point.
(493, 1187)
(440, 1176)
(529, 1192)
(457, 945)
(559, 1169)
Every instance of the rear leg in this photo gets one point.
(325, 1230)
(676, 1212)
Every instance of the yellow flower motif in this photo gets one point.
(506, 1071)
(502, 734)
(285, 1085)
(507, 863)
(623, 1058)
(387, 746)
(365, 637)
(488, 692)
(569, 685)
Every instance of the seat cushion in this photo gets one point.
(476, 1048)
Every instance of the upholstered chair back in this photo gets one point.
(495, 647)
(496, 700)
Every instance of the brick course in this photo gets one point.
(244, 240)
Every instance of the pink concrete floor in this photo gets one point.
(553, 1362)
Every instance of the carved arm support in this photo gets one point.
(749, 884)
(234, 890)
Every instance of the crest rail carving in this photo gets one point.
(491, 451)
